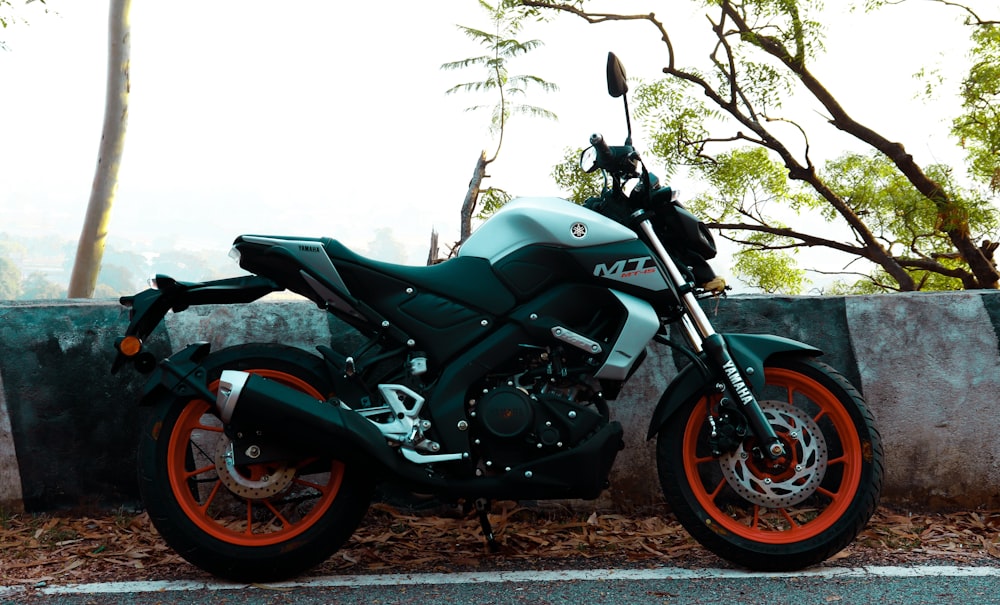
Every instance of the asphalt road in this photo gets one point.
(881, 585)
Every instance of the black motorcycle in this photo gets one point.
(488, 377)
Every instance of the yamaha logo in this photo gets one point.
(579, 230)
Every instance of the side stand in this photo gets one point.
(483, 509)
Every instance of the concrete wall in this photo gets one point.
(928, 365)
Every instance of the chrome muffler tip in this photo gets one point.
(231, 385)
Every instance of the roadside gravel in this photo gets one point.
(39, 550)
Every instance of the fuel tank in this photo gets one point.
(546, 221)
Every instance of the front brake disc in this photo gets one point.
(789, 480)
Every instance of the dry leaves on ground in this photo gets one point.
(47, 549)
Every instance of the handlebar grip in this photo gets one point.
(603, 151)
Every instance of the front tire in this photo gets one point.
(255, 523)
(778, 515)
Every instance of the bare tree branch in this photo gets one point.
(733, 22)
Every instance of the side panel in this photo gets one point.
(641, 324)
(529, 271)
(621, 325)
(298, 264)
(439, 326)
(626, 266)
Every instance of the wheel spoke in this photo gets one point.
(322, 489)
(837, 460)
(791, 521)
(829, 494)
(277, 515)
(211, 495)
(199, 471)
(718, 489)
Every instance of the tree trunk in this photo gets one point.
(471, 197)
(434, 252)
(90, 249)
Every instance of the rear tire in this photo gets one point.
(295, 513)
(785, 516)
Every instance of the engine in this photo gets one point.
(543, 402)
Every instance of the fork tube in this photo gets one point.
(691, 334)
(702, 336)
(697, 326)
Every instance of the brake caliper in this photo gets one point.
(729, 428)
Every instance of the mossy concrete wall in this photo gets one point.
(928, 365)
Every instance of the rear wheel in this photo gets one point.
(255, 522)
(777, 514)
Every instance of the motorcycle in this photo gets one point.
(488, 376)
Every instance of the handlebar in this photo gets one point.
(619, 161)
(604, 157)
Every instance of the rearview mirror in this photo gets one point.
(617, 81)
(588, 160)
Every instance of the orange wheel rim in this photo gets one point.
(226, 516)
(779, 525)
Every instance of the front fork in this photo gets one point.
(703, 338)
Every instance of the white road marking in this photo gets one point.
(517, 577)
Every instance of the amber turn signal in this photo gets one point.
(130, 346)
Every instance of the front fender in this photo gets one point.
(749, 351)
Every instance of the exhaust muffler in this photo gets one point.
(280, 412)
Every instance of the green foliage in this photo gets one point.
(744, 182)
(916, 226)
(10, 279)
(502, 88)
(38, 287)
(772, 271)
(492, 199)
(501, 47)
(880, 282)
(978, 128)
(907, 221)
(577, 184)
(677, 122)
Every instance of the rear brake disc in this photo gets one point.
(255, 482)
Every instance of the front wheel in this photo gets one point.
(249, 523)
(777, 515)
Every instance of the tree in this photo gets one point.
(10, 279)
(501, 47)
(727, 121)
(580, 185)
(978, 127)
(37, 287)
(90, 249)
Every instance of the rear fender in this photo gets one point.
(749, 351)
(180, 375)
(148, 308)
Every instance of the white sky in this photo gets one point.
(329, 118)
